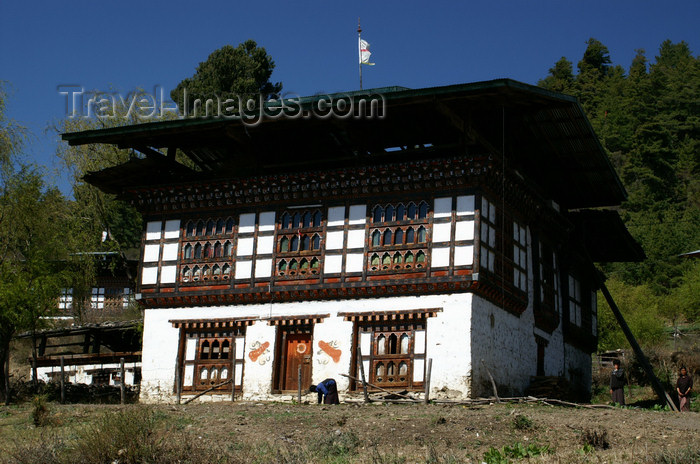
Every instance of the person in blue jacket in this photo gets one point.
(327, 390)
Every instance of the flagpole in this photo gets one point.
(359, 51)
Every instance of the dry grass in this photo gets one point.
(377, 434)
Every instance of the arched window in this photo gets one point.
(393, 345)
(229, 226)
(188, 251)
(390, 370)
(186, 274)
(284, 245)
(215, 349)
(398, 259)
(398, 237)
(421, 234)
(227, 271)
(408, 259)
(304, 264)
(196, 273)
(403, 368)
(412, 211)
(317, 219)
(381, 344)
(217, 250)
(216, 271)
(410, 235)
(377, 214)
(293, 265)
(204, 350)
(210, 227)
(198, 251)
(307, 219)
(400, 212)
(284, 222)
(206, 272)
(190, 229)
(374, 261)
(387, 237)
(316, 242)
(389, 213)
(225, 349)
(423, 210)
(403, 344)
(228, 249)
(207, 250)
(420, 259)
(386, 261)
(379, 372)
(220, 226)
(200, 228)
(376, 238)
(282, 267)
(315, 264)
(305, 243)
(296, 222)
(294, 243)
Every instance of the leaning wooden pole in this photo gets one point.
(658, 388)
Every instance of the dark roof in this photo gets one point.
(543, 135)
(604, 236)
(102, 327)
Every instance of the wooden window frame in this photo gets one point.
(288, 229)
(226, 235)
(200, 363)
(378, 223)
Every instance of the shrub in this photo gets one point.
(40, 410)
(522, 422)
(596, 439)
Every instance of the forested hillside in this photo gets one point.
(648, 120)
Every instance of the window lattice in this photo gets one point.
(299, 243)
(398, 237)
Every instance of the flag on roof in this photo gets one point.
(365, 53)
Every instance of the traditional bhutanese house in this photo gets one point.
(447, 224)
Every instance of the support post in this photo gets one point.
(658, 388)
(122, 384)
(233, 371)
(178, 382)
(362, 373)
(63, 380)
(299, 385)
(426, 399)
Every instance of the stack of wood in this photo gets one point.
(548, 387)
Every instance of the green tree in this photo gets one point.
(36, 242)
(229, 73)
(560, 78)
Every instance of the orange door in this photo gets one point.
(298, 355)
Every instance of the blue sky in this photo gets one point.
(127, 44)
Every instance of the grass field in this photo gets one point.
(375, 433)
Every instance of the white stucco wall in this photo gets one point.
(447, 343)
(505, 344)
(82, 374)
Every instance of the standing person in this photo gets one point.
(683, 387)
(327, 390)
(617, 383)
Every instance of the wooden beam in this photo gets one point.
(658, 388)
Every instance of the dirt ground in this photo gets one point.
(383, 433)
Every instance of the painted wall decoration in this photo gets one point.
(259, 352)
(330, 349)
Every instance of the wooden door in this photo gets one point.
(298, 353)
